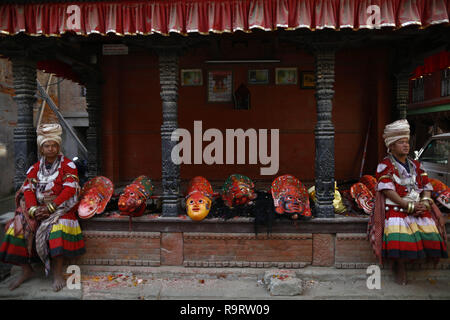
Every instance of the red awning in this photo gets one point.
(436, 62)
(204, 16)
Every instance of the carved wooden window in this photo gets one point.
(418, 90)
(445, 83)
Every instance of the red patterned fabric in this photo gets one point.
(375, 227)
(204, 16)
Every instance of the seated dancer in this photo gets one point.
(406, 224)
(45, 224)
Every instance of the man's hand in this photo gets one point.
(41, 213)
(419, 208)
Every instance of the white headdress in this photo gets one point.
(49, 132)
(396, 131)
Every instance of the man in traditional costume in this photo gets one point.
(406, 224)
(45, 224)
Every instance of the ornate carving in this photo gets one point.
(94, 105)
(117, 262)
(324, 130)
(168, 66)
(245, 264)
(402, 94)
(244, 236)
(25, 86)
(323, 249)
(120, 234)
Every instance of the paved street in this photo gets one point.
(169, 283)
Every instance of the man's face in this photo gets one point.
(400, 147)
(50, 149)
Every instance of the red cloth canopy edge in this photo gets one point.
(436, 62)
(205, 16)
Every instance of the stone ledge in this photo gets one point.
(154, 223)
(351, 236)
(409, 266)
(118, 262)
(245, 264)
(354, 265)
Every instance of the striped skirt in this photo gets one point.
(65, 239)
(411, 238)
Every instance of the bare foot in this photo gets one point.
(58, 283)
(400, 275)
(27, 273)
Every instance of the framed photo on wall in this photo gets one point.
(307, 80)
(286, 76)
(220, 86)
(258, 76)
(191, 77)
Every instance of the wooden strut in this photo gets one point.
(66, 125)
(365, 148)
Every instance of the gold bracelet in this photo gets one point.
(410, 207)
(31, 211)
(51, 208)
(428, 198)
(426, 204)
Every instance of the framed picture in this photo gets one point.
(191, 77)
(258, 76)
(220, 86)
(286, 76)
(307, 80)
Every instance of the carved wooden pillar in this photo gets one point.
(168, 68)
(324, 130)
(402, 94)
(25, 87)
(94, 104)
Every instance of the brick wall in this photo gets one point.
(121, 248)
(204, 249)
(229, 248)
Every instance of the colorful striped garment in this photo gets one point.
(412, 238)
(63, 236)
(406, 236)
(65, 239)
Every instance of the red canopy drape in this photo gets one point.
(436, 62)
(204, 16)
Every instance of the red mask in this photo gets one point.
(290, 197)
(363, 197)
(94, 197)
(238, 190)
(132, 201)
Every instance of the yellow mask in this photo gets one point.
(198, 206)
